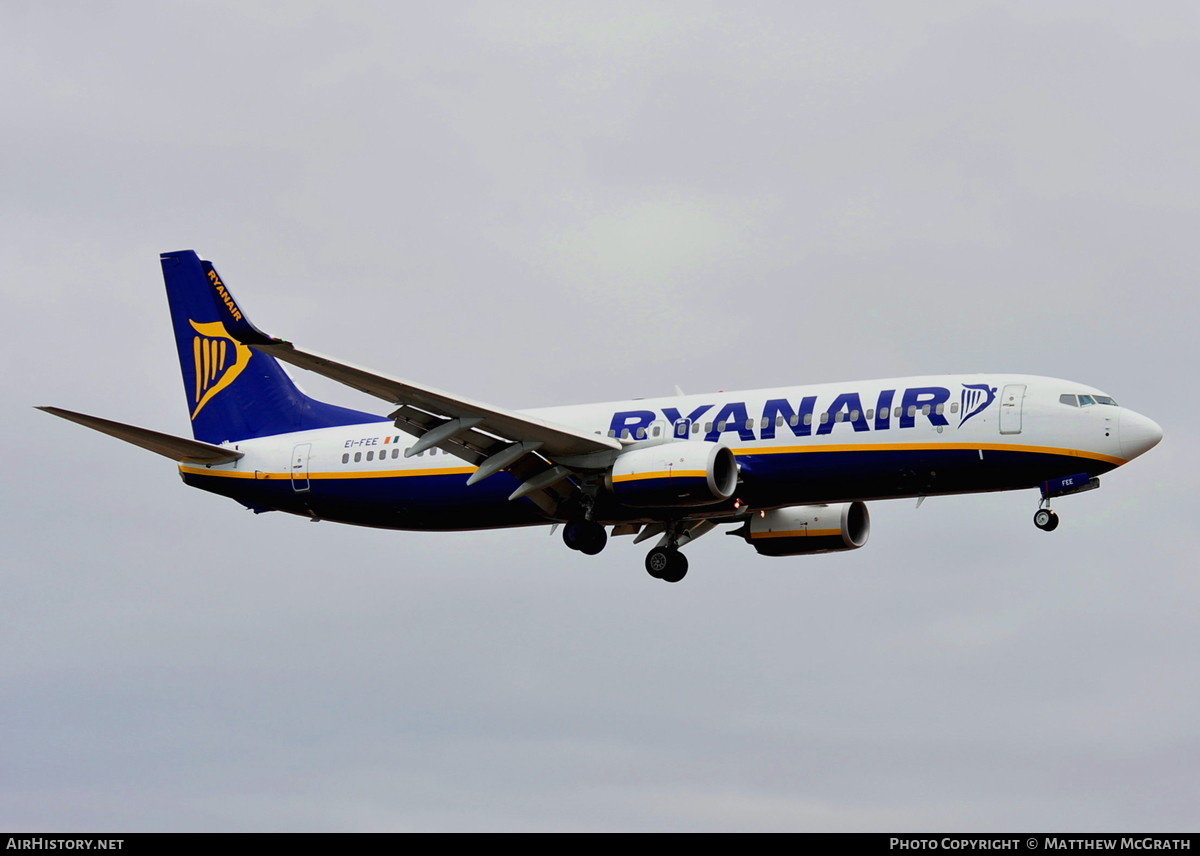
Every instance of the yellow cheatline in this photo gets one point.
(227, 474)
(917, 447)
(392, 474)
(662, 474)
(355, 474)
(797, 533)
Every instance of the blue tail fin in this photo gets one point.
(234, 392)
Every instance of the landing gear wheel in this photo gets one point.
(657, 561)
(678, 569)
(595, 541)
(586, 536)
(666, 564)
(1045, 519)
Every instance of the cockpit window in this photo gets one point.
(1086, 400)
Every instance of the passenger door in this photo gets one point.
(300, 455)
(1011, 401)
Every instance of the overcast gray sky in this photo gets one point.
(549, 203)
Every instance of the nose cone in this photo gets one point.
(1138, 434)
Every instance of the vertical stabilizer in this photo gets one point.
(233, 391)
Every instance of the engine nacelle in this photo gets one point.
(690, 472)
(802, 529)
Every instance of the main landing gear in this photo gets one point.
(667, 564)
(662, 563)
(586, 536)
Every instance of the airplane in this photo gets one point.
(789, 468)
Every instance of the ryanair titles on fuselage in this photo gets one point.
(889, 408)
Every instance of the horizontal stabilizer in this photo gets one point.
(168, 445)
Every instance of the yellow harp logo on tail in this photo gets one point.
(219, 360)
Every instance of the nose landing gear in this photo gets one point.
(1045, 519)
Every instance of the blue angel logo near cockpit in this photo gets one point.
(787, 469)
(975, 399)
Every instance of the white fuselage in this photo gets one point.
(829, 442)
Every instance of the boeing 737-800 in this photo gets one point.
(790, 468)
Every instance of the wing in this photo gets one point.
(547, 458)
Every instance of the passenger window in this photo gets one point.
(749, 424)
(853, 415)
(778, 421)
(346, 458)
(912, 410)
(370, 456)
(870, 412)
(720, 426)
(825, 418)
(641, 433)
(925, 410)
(808, 419)
(357, 457)
(954, 407)
(839, 417)
(655, 431)
(612, 432)
(395, 452)
(695, 427)
(940, 409)
(707, 427)
(899, 412)
(794, 420)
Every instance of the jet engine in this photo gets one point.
(801, 529)
(666, 475)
